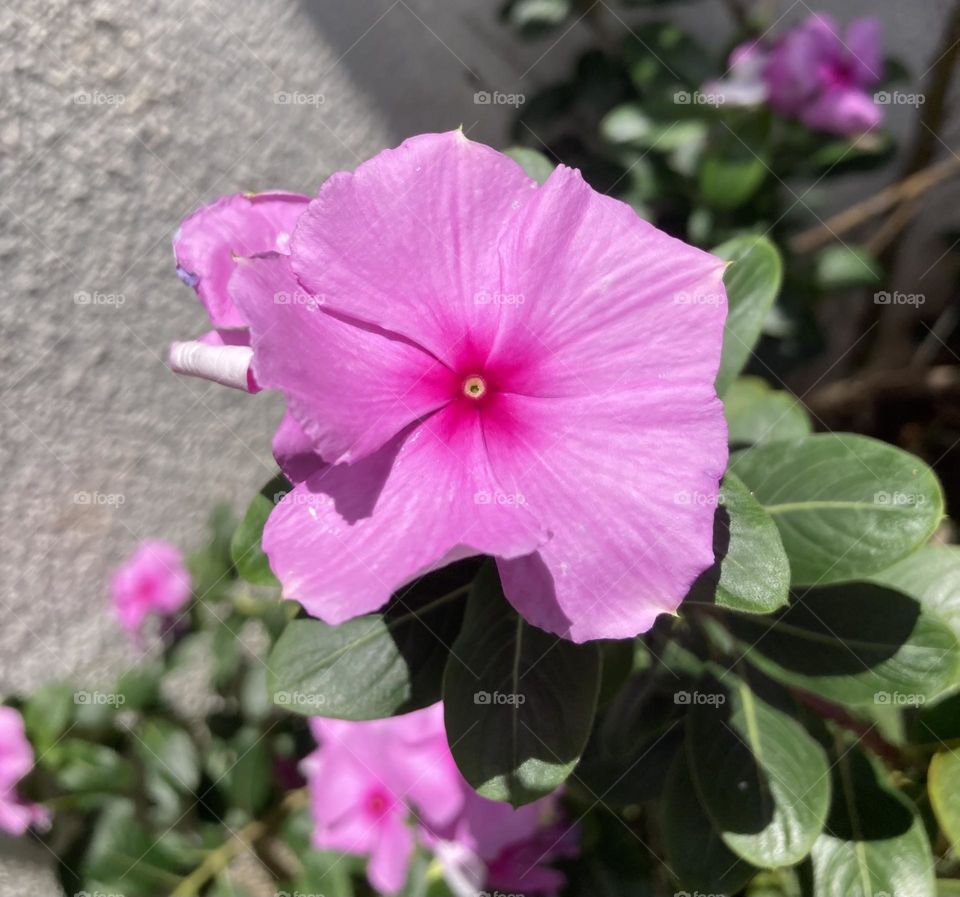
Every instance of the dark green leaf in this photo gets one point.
(518, 702)
(847, 506)
(753, 281)
(855, 644)
(761, 778)
(47, 713)
(735, 165)
(873, 843)
(696, 854)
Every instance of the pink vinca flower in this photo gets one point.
(16, 760)
(825, 77)
(206, 247)
(489, 367)
(378, 788)
(153, 580)
(370, 781)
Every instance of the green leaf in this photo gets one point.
(847, 506)
(634, 744)
(931, 576)
(518, 702)
(734, 166)
(86, 767)
(758, 413)
(762, 779)
(753, 281)
(46, 715)
(372, 666)
(168, 754)
(245, 548)
(874, 843)
(626, 124)
(752, 573)
(943, 786)
(841, 267)
(533, 162)
(695, 852)
(856, 644)
(533, 17)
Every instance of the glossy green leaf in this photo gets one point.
(245, 548)
(857, 643)
(752, 281)
(518, 702)
(695, 853)
(533, 162)
(369, 667)
(847, 506)
(943, 786)
(732, 169)
(874, 843)
(758, 413)
(761, 778)
(752, 573)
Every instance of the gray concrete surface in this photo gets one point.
(116, 120)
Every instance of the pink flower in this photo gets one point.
(16, 760)
(823, 77)
(153, 580)
(206, 247)
(490, 367)
(379, 787)
(811, 73)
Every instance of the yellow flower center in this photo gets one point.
(474, 387)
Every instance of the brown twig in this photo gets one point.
(906, 191)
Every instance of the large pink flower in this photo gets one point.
(378, 787)
(153, 580)
(16, 760)
(486, 366)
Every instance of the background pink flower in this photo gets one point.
(153, 580)
(16, 760)
(377, 787)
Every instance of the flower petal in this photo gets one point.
(349, 536)
(629, 494)
(864, 41)
(390, 861)
(294, 451)
(409, 240)
(610, 303)
(844, 111)
(350, 387)
(243, 224)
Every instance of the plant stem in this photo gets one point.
(219, 858)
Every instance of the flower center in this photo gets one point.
(474, 387)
